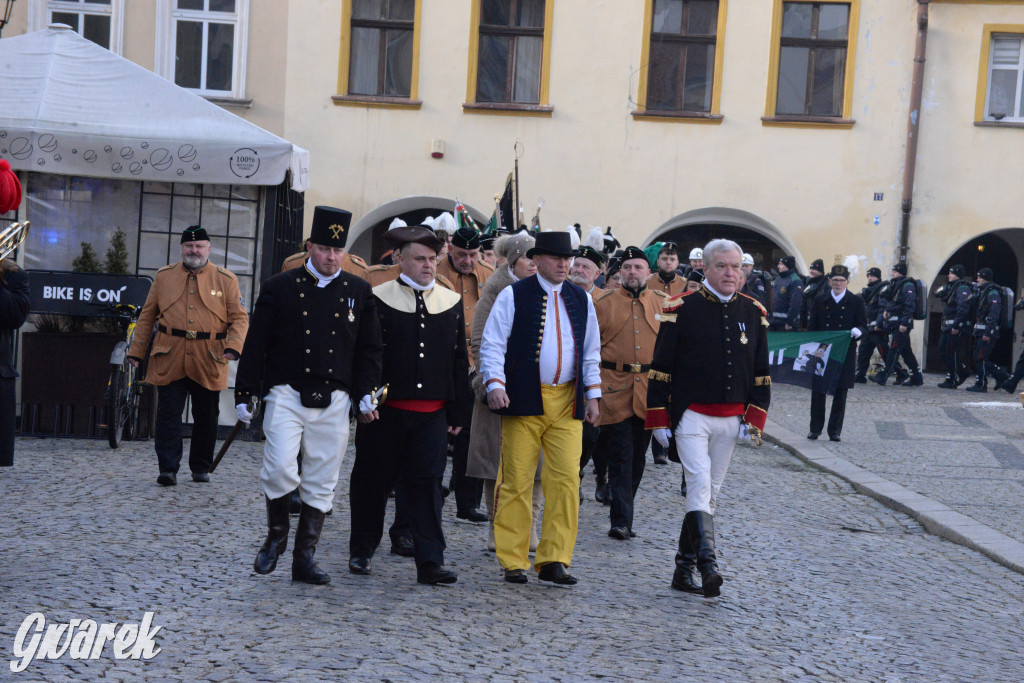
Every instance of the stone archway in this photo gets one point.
(365, 235)
(762, 240)
(1002, 251)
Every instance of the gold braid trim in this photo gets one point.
(660, 376)
(765, 381)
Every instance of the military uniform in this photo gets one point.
(350, 263)
(956, 313)
(709, 376)
(670, 288)
(629, 327)
(987, 326)
(787, 301)
(827, 314)
(897, 306)
(875, 338)
(14, 303)
(198, 317)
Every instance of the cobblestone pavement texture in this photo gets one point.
(822, 584)
(963, 450)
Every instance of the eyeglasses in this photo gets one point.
(839, 279)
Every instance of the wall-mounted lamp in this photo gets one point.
(437, 149)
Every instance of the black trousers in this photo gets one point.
(205, 412)
(592, 452)
(835, 417)
(868, 344)
(468, 491)
(953, 348)
(900, 348)
(982, 365)
(406, 451)
(7, 413)
(626, 444)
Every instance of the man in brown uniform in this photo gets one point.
(629, 319)
(667, 280)
(468, 274)
(201, 322)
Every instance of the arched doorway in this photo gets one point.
(366, 237)
(997, 250)
(756, 236)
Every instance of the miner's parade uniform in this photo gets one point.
(629, 323)
(897, 310)
(708, 380)
(313, 349)
(986, 332)
(670, 287)
(787, 298)
(200, 322)
(350, 263)
(426, 368)
(955, 333)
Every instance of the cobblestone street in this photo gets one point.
(821, 584)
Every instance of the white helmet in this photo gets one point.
(696, 254)
(748, 260)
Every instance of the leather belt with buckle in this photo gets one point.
(191, 334)
(625, 367)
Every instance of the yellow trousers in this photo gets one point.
(522, 438)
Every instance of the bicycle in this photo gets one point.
(126, 383)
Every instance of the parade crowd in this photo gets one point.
(523, 357)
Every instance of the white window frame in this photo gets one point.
(167, 18)
(40, 11)
(1019, 68)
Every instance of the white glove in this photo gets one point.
(662, 436)
(366, 404)
(855, 333)
(243, 413)
(744, 432)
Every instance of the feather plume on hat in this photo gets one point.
(852, 263)
(397, 223)
(574, 237)
(445, 223)
(595, 239)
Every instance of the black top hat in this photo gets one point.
(557, 243)
(591, 254)
(330, 226)
(958, 270)
(420, 234)
(194, 233)
(986, 274)
(634, 252)
(840, 271)
(900, 268)
(466, 238)
(818, 265)
(875, 272)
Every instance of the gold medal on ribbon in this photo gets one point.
(351, 316)
(743, 337)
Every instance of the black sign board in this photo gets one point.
(84, 294)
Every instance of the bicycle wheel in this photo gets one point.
(131, 390)
(116, 407)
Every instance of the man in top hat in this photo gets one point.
(787, 297)
(628, 319)
(987, 324)
(709, 385)
(539, 358)
(425, 368)
(667, 280)
(836, 309)
(955, 332)
(813, 286)
(874, 339)
(464, 269)
(897, 319)
(313, 352)
(200, 322)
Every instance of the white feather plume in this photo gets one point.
(397, 223)
(445, 223)
(574, 237)
(595, 239)
(852, 262)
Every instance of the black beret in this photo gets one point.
(875, 272)
(330, 226)
(591, 254)
(632, 253)
(466, 238)
(900, 268)
(986, 274)
(486, 243)
(194, 233)
(958, 270)
(695, 276)
(818, 265)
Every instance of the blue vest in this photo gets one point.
(522, 356)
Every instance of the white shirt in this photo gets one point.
(558, 347)
(721, 297)
(322, 280)
(839, 298)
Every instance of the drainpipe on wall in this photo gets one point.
(913, 128)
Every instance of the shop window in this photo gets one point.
(97, 20)
(510, 52)
(380, 49)
(203, 45)
(1001, 86)
(681, 73)
(812, 61)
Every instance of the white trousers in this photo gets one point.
(322, 433)
(705, 446)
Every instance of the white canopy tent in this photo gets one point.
(71, 107)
